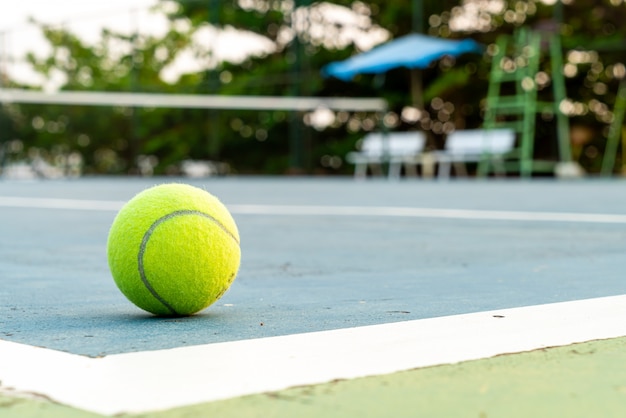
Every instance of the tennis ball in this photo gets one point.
(173, 249)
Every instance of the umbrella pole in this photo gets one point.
(417, 89)
(379, 83)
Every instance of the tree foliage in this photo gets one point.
(303, 36)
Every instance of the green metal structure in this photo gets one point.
(512, 98)
(615, 132)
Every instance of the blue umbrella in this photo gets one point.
(409, 51)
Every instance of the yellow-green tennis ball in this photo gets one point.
(173, 249)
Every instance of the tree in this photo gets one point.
(111, 140)
(300, 37)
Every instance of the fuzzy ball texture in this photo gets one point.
(173, 249)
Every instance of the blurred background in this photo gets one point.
(282, 48)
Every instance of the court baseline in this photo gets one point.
(155, 380)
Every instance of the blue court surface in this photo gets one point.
(318, 254)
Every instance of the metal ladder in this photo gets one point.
(512, 99)
(615, 131)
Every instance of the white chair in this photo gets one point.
(395, 148)
(474, 145)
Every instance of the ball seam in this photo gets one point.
(146, 238)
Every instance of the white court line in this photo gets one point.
(164, 379)
(409, 212)
(317, 210)
(52, 203)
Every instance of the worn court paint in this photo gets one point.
(140, 382)
(575, 381)
(309, 272)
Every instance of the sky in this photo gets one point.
(60, 11)
(86, 19)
